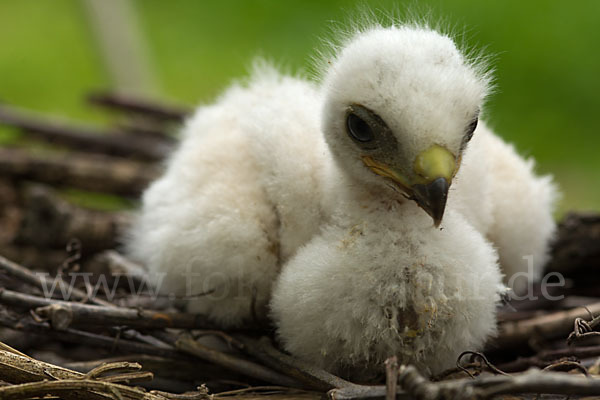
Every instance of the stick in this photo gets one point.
(146, 129)
(84, 314)
(541, 382)
(584, 330)
(483, 387)
(358, 392)
(31, 378)
(391, 377)
(87, 172)
(76, 389)
(183, 368)
(84, 138)
(114, 263)
(15, 368)
(74, 336)
(554, 325)
(136, 105)
(311, 376)
(41, 282)
(50, 221)
(248, 368)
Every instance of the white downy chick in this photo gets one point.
(374, 199)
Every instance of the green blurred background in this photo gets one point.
(547, 62)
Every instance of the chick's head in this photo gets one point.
(401, 104)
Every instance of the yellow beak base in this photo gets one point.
(434, 169)
(435, 162)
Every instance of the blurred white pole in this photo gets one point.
(115, 24)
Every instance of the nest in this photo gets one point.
(87, 325)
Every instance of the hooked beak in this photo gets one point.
(432, 198)
(433, 170)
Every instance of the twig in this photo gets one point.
(483, 387)
(248, 368)
(141, 127)
(359, 392)
(50, 221)
(84, 138)
(391, 377)
(547, 357)
(129, 377)
(230, 340)
(181, 367)
(566, 366)
(87, 172)
(488, 364)
(584, 330)
(259, 389)
(112, 263)
(116, 263)
(15, 368)
(311, 376)
(66, 388)
(553, 325)
(201, 394)
(135, 105)
(103, 315)
(31, 376)
(5, 347)
(540, 382)
(112, 367)
(89, 339)
(41, 282)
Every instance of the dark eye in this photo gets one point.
(471, 129)
(359, 129)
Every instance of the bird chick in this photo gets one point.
(368, 214)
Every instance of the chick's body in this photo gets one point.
(267, 204)
(239, 195)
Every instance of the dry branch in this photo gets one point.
(83, 138)
(181, 369)
(391, 377)
(15, 368)
(145, 129)
(42, 281)
(483, 387)
(76, 389)
(112, 263)
(74, 336)
(547, 357)
(50, 221)
(84, 314)
(312, 377)
(248, 368)
(139, 106)
(554, 325)
(584, 330)
(95, 173)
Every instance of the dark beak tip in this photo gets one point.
(432, 198)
